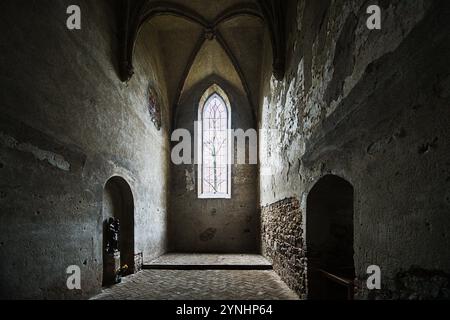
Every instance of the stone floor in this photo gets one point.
(212, 260)
(200, 285)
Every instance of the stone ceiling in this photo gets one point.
(201, 38)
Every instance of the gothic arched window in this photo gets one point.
(214, 145)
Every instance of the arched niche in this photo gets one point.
(118, 203)
(329, 239)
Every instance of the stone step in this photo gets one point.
(209, 262)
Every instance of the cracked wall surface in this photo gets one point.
(372, 108)
(67, 125)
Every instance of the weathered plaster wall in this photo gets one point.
(371, 107)
(213, 225)
(67, 125)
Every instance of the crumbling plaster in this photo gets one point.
(362, 105)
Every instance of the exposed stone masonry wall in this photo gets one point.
(282, 242)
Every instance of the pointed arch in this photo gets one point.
(214, 144)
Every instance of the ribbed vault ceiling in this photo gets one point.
(224, 39)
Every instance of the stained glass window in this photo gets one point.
(215, 167)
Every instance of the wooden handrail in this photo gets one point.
(340, 280)
(335, 278)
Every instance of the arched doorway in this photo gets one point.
(118, 203)
(329, 238)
